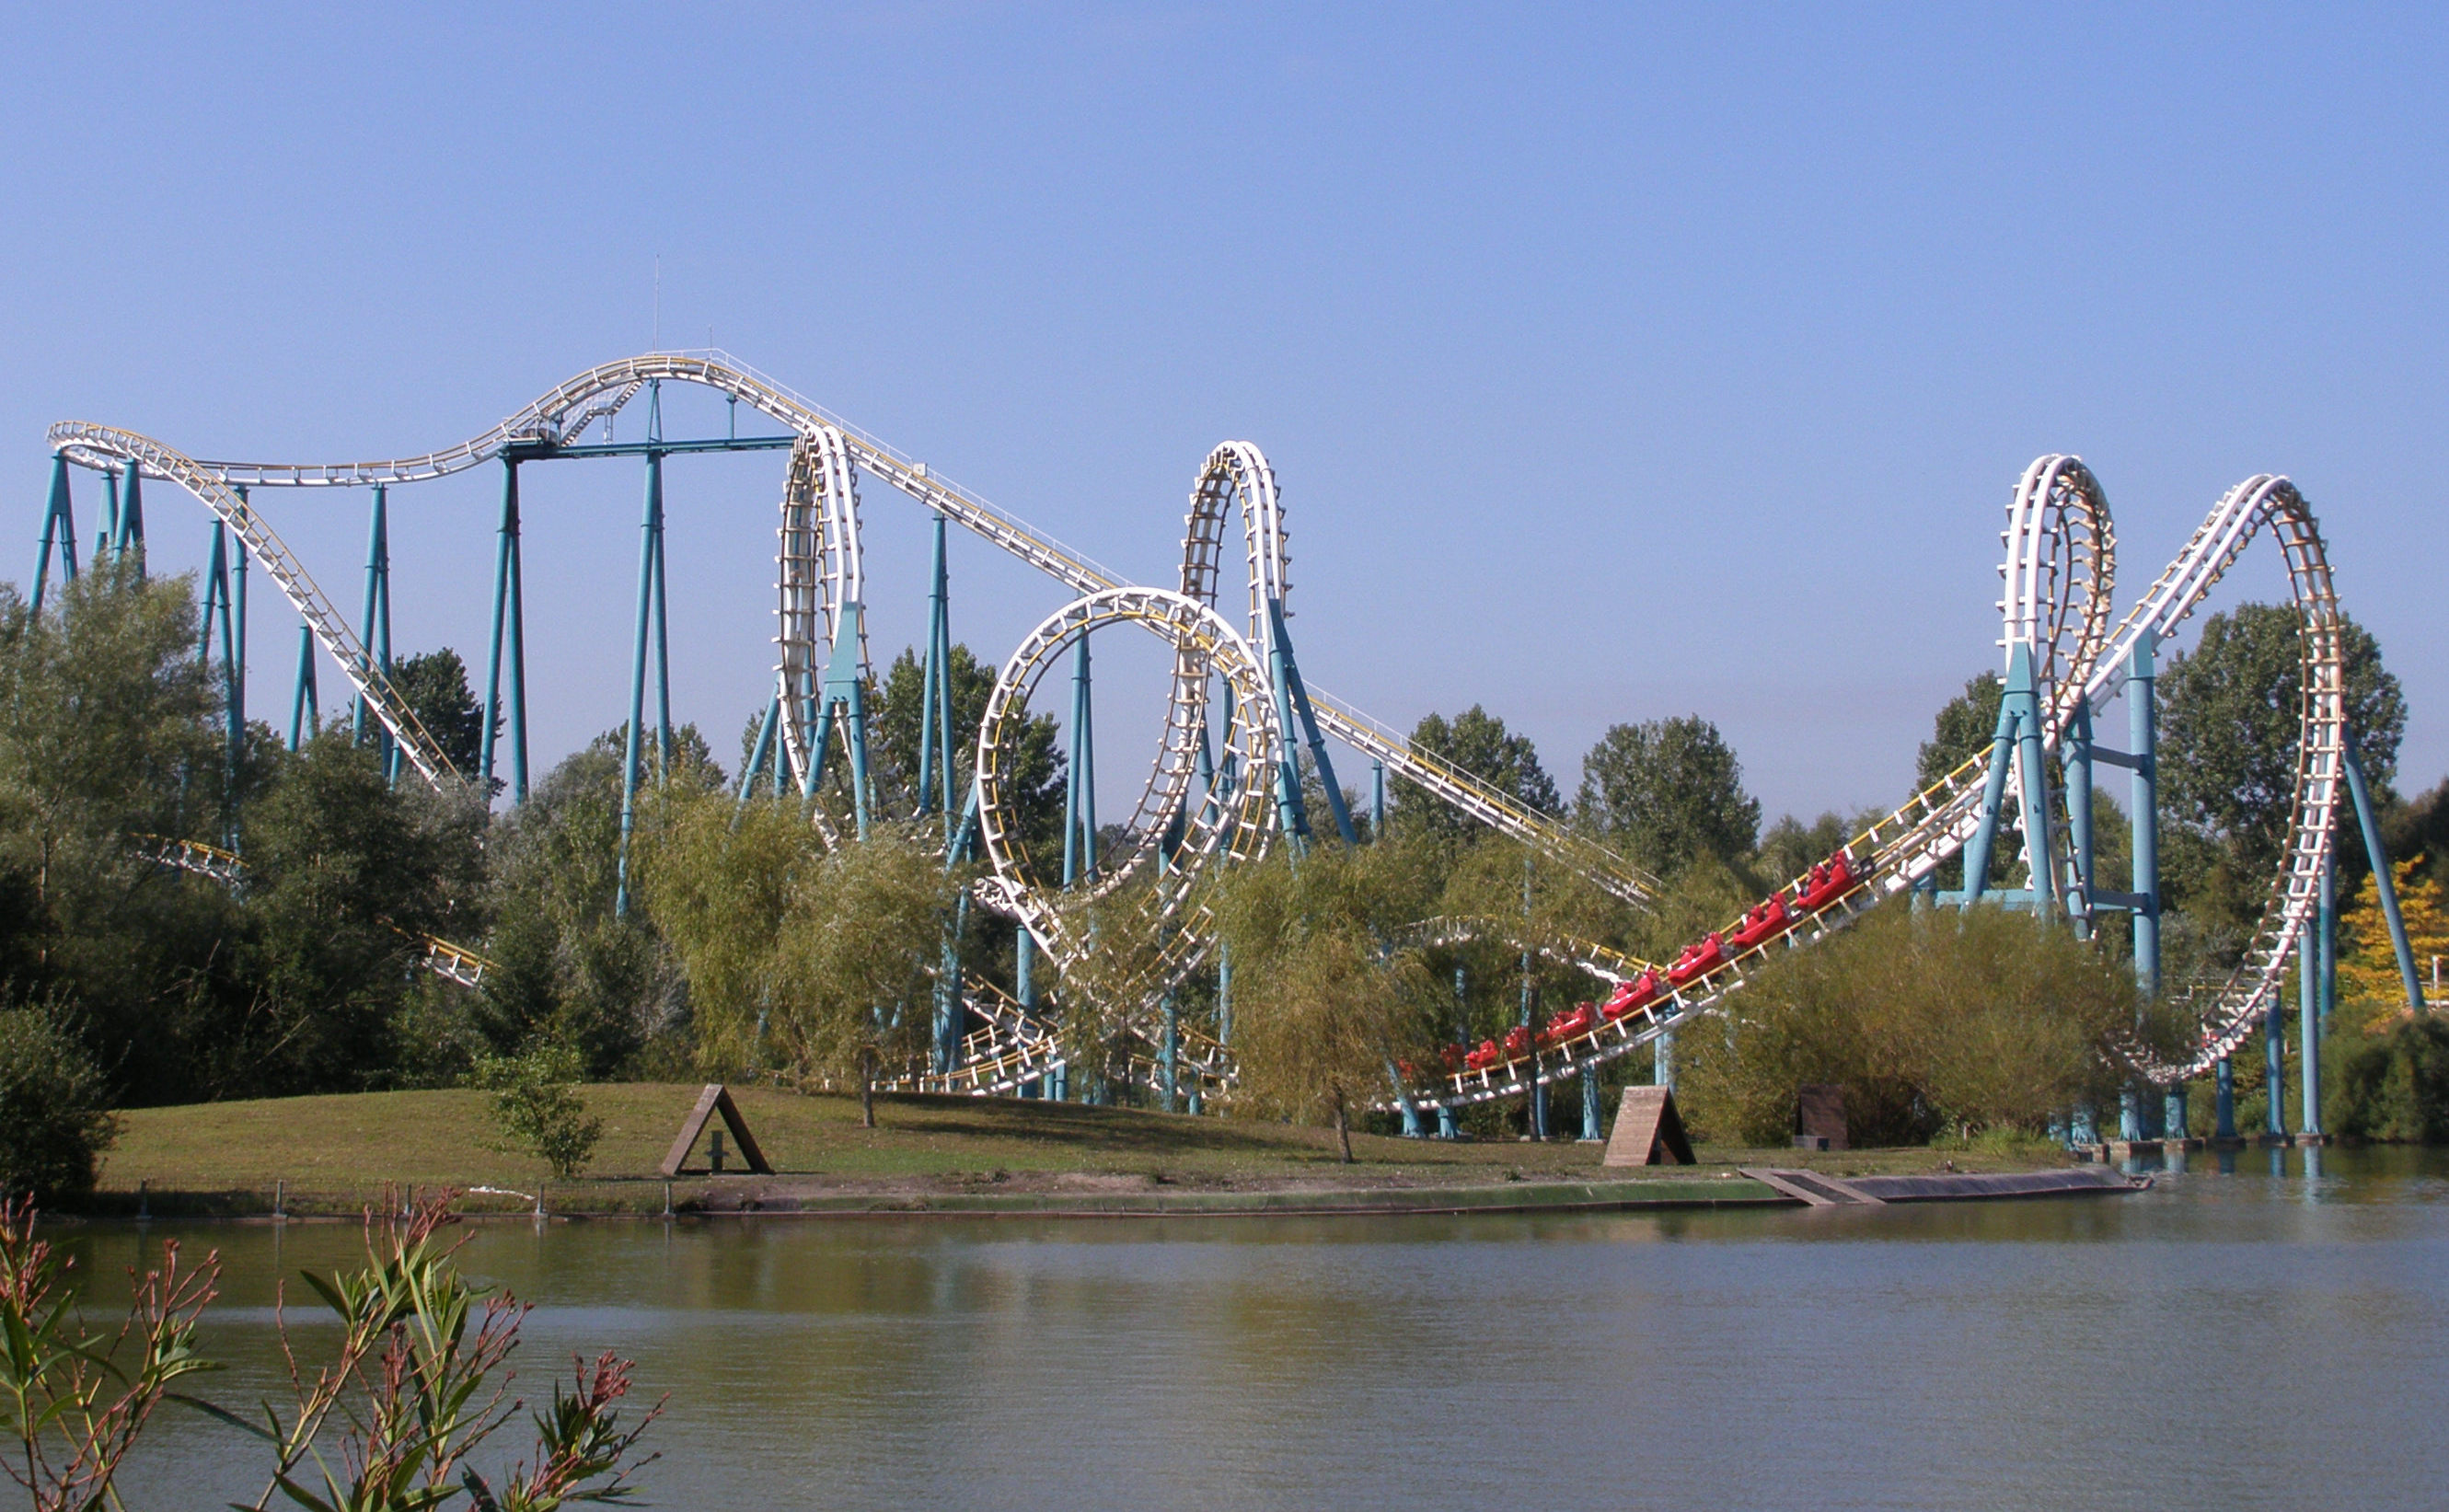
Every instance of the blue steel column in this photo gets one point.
(303, 715)
(2034, 765)
(663, 664)
(2383, 881)
(1377, 799)
(2223, 1099)
(131, 517)
(649, 529)
(2274, 1052)
(2076, 757)
(59, 524)
(1590, 1112)
(238, 659)
(109, 522)
(377, 569)
(2143, 732)
(1079, 791)
(505, 560)
(2308, 1016)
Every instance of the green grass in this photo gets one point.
(333, 1153)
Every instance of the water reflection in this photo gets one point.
(2017, 1354)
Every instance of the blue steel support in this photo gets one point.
(1662, 1060)
(843, 688)
(2172, 1113)
(650, 530)
(506, 548)
(237, 641)
(2383, 881)
(374, 617)
(2274, 1051)
(1169, 1052)
(1377, 799)
(2033, 765)
(2223, 1099)
(2074, 757)
(2309, 1020)
(304, 714)
(1299, 693)
(1590, 1112)
(59, 527)
(131, 517)
(2143, 739)
(1993, 797)
(1079, 789)
(935, 718)
(218, 611)
(763, 750)
(110, 531)
(1292, 811)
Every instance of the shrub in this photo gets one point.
(54, 1117)
(2393, 1085)
(538, 1109)
(1944, 1022)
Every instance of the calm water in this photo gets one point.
(2245, 1340)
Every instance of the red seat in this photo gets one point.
(1565, 1025)
(1481, 1058)
(1766, 921)
(1453, 1056)
(1697, 960)
(1630, 996)
(1830, 880)
(1517, 1041)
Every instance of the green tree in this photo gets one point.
(571, 969)
(862, 940)
(1478, 742)
(1326, 1001)
(538, 1108)
(1667, 792)
(54, 1112)
(2229, 726)
(435, 686)
(1966, 727)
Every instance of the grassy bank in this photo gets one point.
(333, 1153)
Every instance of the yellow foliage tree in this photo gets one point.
(2368, 977)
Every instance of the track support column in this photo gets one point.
(304, 714)
(2383, 882)
(59, 527)
(2274, 1053)
(508, 632)
(2143, 733)
(649, 544)
(2309, 1018)
(2223, 1099)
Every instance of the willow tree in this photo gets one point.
(1328, 996)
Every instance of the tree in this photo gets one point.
(862, 940)
(1478, 742)
(54, 1114)
(435, 686)
(1966, 727)
(1325, 1001)
(538, 1109)
(1669, 790)
(1789, 847)
(2230, 717)
(2368, 974)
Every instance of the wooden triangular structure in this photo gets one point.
(1647, 1130)
(713, 1100)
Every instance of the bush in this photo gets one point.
(1942, 1023)
(2394, 1084)
(54, 1117)
(538, 1109)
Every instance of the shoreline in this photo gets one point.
(786, 1197)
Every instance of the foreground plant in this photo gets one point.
(76, 1402)
(419, 1385)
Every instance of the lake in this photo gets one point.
(2256, 1338)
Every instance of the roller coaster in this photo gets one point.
(1245, 738)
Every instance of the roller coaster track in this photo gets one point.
(2058, 572)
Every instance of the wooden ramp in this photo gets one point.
(715, 1100)
(1647, 1130)
(1813, 1189)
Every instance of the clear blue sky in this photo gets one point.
(1615, 363)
